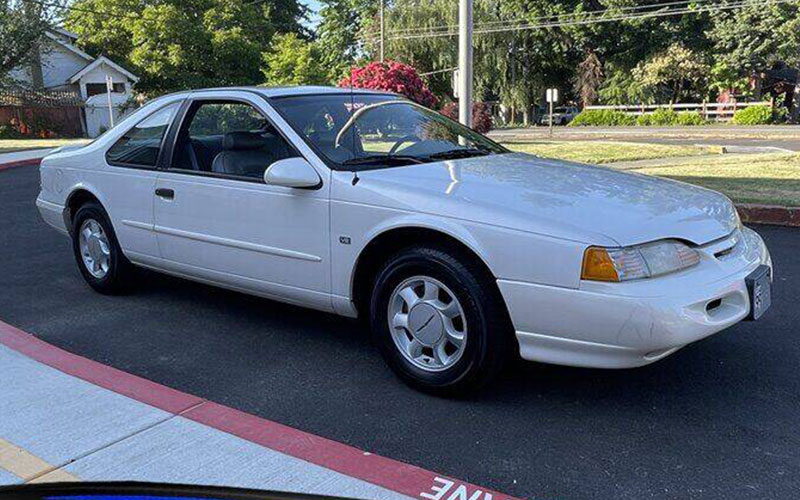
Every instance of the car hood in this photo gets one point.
(586, 203)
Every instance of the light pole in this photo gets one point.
(465, 62)
(382, 26)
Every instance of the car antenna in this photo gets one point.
(352, 112)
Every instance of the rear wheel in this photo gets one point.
(439, 321)
(97, 251)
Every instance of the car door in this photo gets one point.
(128, 181)
(216, 219)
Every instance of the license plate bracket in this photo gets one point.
(759, 289)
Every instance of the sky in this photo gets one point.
(314, 5)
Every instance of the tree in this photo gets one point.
(674, 73)
(515, 66)
(755, 37)
(22, 28)
(342, 34)
(180, 44)
(589, 78)
(481, 115)
(293, 61)
(391, 76)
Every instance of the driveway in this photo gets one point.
(718, 419)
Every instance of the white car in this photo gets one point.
(562, 115)
(460, 253)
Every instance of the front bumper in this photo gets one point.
(629, 324)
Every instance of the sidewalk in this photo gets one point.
(22, 158)
(67, 418)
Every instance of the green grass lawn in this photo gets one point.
(770, 179)
(605, 151)
(7, 145)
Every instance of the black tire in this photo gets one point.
(489, 341)
(118, 278)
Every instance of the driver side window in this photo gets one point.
(228, 138)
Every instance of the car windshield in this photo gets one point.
(367, 131)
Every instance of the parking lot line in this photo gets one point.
(28, 466)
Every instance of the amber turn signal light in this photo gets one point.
(598, 266)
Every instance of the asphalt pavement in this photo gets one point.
(786, 137)
(718, 419)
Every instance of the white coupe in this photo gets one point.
(459, 253)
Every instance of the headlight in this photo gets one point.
(636, 262)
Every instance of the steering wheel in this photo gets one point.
(403, 140)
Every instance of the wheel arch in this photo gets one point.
(389, 240)
(78, 196)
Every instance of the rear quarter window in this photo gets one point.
(141, 145)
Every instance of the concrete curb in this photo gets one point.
(21, 163)
(769, 214)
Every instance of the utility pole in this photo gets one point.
(465, 62)
(382, 26)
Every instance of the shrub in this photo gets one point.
(644, 120)
(602, 117)
(754, 115)
(481, 115)
(391, 76)
(667, 117)
(9, 132)
(660, 117)
(690, 118)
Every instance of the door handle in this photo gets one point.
(167, 194)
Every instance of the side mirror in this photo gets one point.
(293, 173)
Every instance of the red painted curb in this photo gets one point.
(769, 214)
(390, 474)
(118, 381)
(31, 162)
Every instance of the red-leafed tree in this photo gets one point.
(481, 115)
(391, 76)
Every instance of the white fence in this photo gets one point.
(708, 110)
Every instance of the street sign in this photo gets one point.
(552, 97)
(455, 84)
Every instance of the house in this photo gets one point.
(62, 66)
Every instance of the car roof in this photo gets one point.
(295, 90)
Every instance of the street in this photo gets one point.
(718, 419)
(786, 137)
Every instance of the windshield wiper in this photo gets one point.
(383, 160)
(458, 153)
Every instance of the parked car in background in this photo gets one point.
(562, 115)
(459, 253)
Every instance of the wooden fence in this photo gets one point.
(716, 111)
(39, 98)
(42, 113)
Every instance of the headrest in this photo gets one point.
(238, 141)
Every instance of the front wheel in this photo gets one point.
(439, 321)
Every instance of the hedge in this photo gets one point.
(660, 117)
(754, 115)
(667, 117)
(602, 117)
